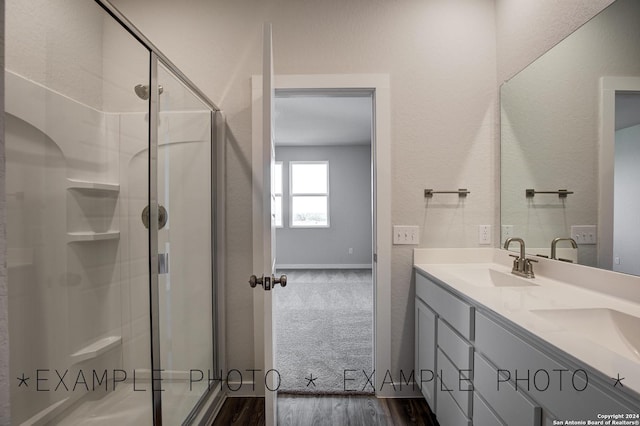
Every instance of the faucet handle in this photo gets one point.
(528, 268)
(515, 255)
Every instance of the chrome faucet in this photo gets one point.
(521, 265)
(556, 241)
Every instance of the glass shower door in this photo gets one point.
(185, 249)
(77, 141)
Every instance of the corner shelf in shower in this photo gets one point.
(73, 237)
(96, 349)
(92, 185)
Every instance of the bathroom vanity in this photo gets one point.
(493, 348)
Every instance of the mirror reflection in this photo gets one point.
(570, 145)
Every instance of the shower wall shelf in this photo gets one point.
(96, 349)
(92, 236)
(87, 184)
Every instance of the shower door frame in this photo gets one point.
(217, 231)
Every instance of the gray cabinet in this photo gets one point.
(565, 392)
(513, 407)
(449, 353)
(482, 414)
(488, 371)
(425, 357)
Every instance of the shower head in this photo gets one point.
(143, 91)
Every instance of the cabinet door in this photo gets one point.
(425, 359)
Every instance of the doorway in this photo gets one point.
(324, 240)
(619, 142)
(379, 86)
(626, 232)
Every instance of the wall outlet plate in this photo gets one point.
(507, 232)
(406, 234)
(484, 234)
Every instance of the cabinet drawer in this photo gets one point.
(455, 312)
(562, 392)
(447, 411)
(459, 351)
(455, 382)
(482, 415)
(511, 405)
(425, 356)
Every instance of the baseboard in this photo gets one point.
(245, 388)
(400, 390)
(325, 266)
(211, 408)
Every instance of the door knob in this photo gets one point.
(282, 280)
(267, 282)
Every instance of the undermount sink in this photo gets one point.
(606, 327)
(488, 277)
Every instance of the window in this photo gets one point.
(309, 192)
(277, 192)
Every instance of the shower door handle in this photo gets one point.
(267, 282)
(163, 217)
(163, 263)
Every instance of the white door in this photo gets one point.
(264, 280)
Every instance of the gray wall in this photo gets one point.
(349, 204)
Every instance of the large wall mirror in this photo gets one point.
(570, 145)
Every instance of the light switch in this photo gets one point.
(584, 234)
(406, 234)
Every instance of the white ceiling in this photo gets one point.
(302, 120)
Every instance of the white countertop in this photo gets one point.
(559, 285)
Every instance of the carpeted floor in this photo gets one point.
(324, 329)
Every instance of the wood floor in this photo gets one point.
(319, 410)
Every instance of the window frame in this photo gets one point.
(292, 195)
(280, 194)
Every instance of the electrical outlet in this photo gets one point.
(584, 234)
(350, 250)
(484, 234)
(507, 232)
(406, 235)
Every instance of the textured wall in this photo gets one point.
(349, 204)
(65, 53)
(5, 412)
(526, 29)
(441, 57)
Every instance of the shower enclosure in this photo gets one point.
(110, 180)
